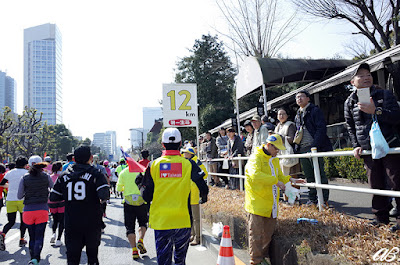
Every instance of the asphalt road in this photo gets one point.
(114, 248)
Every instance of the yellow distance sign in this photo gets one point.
(180, 105)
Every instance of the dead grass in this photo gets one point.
(337, 234)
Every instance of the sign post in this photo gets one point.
(180, 110)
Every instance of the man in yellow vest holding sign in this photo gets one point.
(167, 184)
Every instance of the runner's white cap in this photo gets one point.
(34, 160)
(171, 135)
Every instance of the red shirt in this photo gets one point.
(1, 188)
(144, 162)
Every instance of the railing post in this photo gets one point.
(208, 170)
(317, 175)
(240, 172)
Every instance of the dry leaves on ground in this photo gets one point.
(337, 234)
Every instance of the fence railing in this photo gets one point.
(317, 185)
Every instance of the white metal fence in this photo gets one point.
(317, 185)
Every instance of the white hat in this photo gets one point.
(171, 135)
(47, 159)
(34, 160)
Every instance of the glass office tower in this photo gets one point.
(8, 92)
(43, 71)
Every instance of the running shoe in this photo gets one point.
(141, 247)
(2, 242)
(135, 254)
(53, 239)
(33, 262)
(22, 242)
(58, 243)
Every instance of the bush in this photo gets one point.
(345, 167)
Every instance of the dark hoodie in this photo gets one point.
(82, 187)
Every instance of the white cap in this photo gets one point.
(47, 159)
(171, 135)
(34, 160)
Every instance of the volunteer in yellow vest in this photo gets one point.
(264, 178)
(167, 184)
(134, 208)
(190, 153)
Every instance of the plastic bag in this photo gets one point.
(217, 229)
(379, 146)
(225, 164)
(288, 162)
(292, 193)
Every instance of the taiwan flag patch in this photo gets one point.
(170, 170)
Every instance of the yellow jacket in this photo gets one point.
(194, 190)
(262, 174)
(170, 206)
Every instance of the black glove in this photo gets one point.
(203, 199)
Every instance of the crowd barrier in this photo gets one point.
(317, 185)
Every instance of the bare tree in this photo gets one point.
(376, 20)
(257, 27)
(359, 48)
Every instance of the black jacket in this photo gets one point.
(237, 148)
(359, 123)
(82, 187)
(36, 188)
(315, 123)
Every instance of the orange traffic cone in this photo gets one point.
(225, 256)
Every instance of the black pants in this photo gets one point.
(377, 170)
(58, 222)
(36, 237)
(76, 239)
(11, 221)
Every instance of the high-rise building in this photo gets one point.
(8, 92)
(107, 142)
(150, 115)
(43, 71)
(137, 138)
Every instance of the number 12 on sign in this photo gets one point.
(180, 105)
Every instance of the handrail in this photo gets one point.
(317, 184)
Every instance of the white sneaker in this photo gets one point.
(53, 239)
(58, 243)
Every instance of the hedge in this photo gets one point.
(345, 167)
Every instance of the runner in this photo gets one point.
(34, 186)
(122, 166)
(134, 208)
(96, 164)
(2, 174)
(83, 188)
(13, 204)
(47, 169)
(145, 155)
(57, 209)
(70, 158)
(113, 180)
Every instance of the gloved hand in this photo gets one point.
(203, 199)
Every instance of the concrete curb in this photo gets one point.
(213, 244)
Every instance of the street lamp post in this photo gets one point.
(142, 133)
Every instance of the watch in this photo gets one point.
(378, 111)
